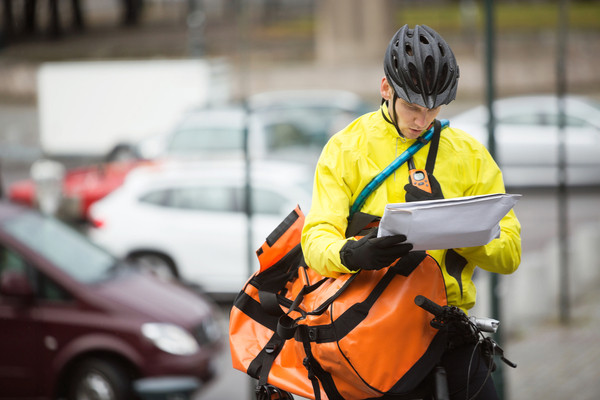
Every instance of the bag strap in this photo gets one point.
(316, 374)
(431, 155)
(433, 149)
(260, 367)
(401, 159)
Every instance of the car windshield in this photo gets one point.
(206, 139)
(303, 126)
(63, 246)
(284, 128)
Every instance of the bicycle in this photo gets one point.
(468, 329)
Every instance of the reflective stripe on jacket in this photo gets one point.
(359, 152)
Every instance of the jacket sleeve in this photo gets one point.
(324, 229)
(503, 254)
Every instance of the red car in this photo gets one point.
(81, 187)
(75, 323)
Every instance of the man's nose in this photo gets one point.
(421, 118)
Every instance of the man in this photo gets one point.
(421, 75)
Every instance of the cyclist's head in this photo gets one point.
(420, 67)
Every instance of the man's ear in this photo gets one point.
(385, 89)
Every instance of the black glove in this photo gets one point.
(413, 193)
(371, 252)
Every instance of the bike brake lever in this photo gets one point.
(508, 362)
(500, 352)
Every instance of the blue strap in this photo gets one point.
(387, 171)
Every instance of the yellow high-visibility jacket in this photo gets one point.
(355, 155)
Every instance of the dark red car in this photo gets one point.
(75, 323)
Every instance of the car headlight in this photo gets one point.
(171, 338)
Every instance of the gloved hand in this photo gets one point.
(371, 252)
(413, 193)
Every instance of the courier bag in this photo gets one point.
(358, 336)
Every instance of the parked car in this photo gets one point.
(76, 323)
(81, 187)
(188, 220)
(527, 138)
(281, 125)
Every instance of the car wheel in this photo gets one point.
(122, 152)
(157, 264)
(97, 379)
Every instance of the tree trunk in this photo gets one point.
(30, 16)
(7, 22)
(55, 28)
(78, 21)
(132, 10)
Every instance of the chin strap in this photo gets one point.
(392, 113)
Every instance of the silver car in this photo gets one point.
(528, 136)
(281, 125)
(188, 219)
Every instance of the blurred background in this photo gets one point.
(107, 87)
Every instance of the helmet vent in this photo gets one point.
(414, 77)
(442, 52)
(423, 39)
(443, 79)
(408, 49)
(429, 75)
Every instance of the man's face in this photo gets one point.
(412, 119)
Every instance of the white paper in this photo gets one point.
(448, 223)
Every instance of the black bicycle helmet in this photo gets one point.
(421, 67)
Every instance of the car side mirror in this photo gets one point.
(15, 284)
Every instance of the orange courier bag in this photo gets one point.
(359, 336)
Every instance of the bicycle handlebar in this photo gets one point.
(444, 315)
(483, 324)
(429, 305)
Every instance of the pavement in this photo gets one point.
(557, 361)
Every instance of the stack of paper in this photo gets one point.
(448, 223)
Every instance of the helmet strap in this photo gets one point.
(392, 113)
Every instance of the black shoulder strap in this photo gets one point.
(433, 148)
